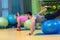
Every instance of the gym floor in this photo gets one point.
(12, 34)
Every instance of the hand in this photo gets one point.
(18, 29)
(29, 34)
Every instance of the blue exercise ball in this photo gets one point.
(11, 19)
(50, 27)
(59, 25)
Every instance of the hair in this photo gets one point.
(16, 14)
(29, 13)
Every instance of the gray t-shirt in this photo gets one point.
(40, 18)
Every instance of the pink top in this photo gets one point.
(22, 18)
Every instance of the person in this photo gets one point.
(27, 16)
(40, 18)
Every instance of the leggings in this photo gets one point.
(53, 16)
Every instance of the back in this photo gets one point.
(22, 18)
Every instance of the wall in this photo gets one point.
(14, 6)
(36, 7)
(0, 9)
(4, 8)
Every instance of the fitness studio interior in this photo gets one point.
(29, 19)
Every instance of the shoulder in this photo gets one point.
(33, 17)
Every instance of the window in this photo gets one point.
(4, 8)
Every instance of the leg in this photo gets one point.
(53, 16)
(42, 11)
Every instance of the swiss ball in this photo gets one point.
(28, 24)
(11, 19)
(38, 25)
(3, 22)
(59, 25)
(50, 26)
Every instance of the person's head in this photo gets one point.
(15, 16)
(28, 14)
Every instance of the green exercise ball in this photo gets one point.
(28, 24)
(38, 25)
(3, 22)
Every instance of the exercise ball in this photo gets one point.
(3, 22)
(28, 24)
(38, 25)
(22, 19)
(59, 25)
(50, 27)
(11, 19)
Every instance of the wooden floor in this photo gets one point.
(12, 34)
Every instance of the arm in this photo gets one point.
(18, 25)
(33, 26)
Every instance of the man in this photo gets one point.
(40, 18)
